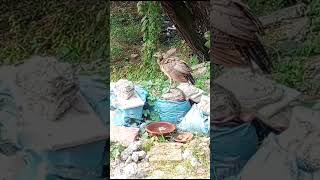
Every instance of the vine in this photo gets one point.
(151, 28)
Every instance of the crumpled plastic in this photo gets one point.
(195, 121)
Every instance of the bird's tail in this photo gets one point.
(191, 79)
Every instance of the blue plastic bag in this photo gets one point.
(95, 91)
(195, 121)
(172, 111)
(234, 144)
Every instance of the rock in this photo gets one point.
(165, 152)
(206, 140)
(201, 171)
(180, 169)
(174, 95)
(158, 174)
(194, 161)
(204, 104)
(123, 135)
(134, 56)
(187, 154)
(291, 12)
(135, 157)
(191, 92)
(129, 160)
(199, 69)
(140, 154)
(124, 89)
(130, 149)
(40, 77)
(130, 170)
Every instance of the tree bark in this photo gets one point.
(183, 19)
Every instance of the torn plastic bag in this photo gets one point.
(195, 121)
(172, 111)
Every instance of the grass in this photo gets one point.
(126, 38)
(263, 7)
(73, 32)
(169, 168)
(115, 150)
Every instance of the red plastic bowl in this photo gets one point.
(160, 128)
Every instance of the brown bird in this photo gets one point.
(174, 68)
(235, 40)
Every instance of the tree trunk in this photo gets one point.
(183, 19)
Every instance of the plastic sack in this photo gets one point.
(95, 91)
(128, 116)
(272, 161)
(234, 144)
(172, 111)
(195, 121)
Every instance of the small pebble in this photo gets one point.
(180, 169)
(194, 162)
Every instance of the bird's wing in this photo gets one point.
(234, 18)
(180, 66)
(235, 41)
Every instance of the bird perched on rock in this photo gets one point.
(174, 68)
(235, 40)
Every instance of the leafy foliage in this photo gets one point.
(115, 150)
(263, 7)
(151, 28)
(72, 31)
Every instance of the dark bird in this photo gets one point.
(235, 42)
(174, 68)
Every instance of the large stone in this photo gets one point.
(130, 170)
(165, 152)
(291, 12)
(130, 149)
(123, 135)
(199, 69)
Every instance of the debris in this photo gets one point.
(180, 169)
(141, 154)
(174, 95)
(225, 105)
(292, 12)
(187, 154)
(134, 56)
(135, 157)
(40, 77)
(130, 170)
(199, 69)
(124, 89)
(204, 104)
(165, 152)
(128, 111)
(195, 121)
(183, 137)
(123, 135)
(194, 161)
(191, 92)
(130, 149)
